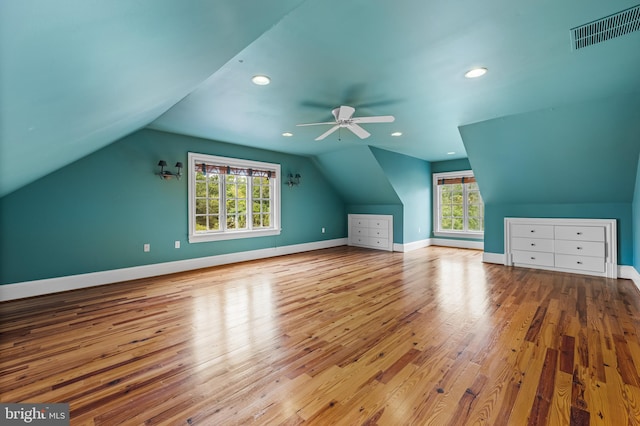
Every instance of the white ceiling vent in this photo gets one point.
(612, 26)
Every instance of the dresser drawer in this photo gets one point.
(378, 242)
(532, 258)
(532, 231)
(580, 248)
(379, 232)
(373, 223)
(360, 240)
(532, 244)
(360, 223)
(582, 263)
(359, 231)
(580, 233)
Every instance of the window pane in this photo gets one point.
(201, 205)
(473, 186)
(201, 223)
(445, 196)
(242, 221)
(446, 223)
(201, 189)
(214, 223)
(458, 224)
(474, 210)
(256, 207)
(255, 193)
(256, 220)
(266, 206)
(474, 224)
(231, 207)
(458, 210)
(447, 210)
(214, 187)
(457, 198)
(473, 197)
(231, 222)
(214, 206)
(242, 206)
(266, 220)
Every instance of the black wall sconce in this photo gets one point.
(293, 180)
(166, 174)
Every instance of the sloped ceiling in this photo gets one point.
(76, 75)
(583, 152)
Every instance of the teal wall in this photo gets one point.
(576, 160)
(411, 180)
(96, 214)
(636, 220)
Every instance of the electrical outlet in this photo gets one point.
(147, 247)
(177, 244)
(323, 230)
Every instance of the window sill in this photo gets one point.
(474, 235)
(203, 238)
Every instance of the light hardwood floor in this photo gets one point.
(342, 336)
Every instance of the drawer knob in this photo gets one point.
(579, 248)
(533, 230)
(579, 263)
(533, 258)
(579, 233)
(533, 244)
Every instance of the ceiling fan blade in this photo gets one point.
(315, 124)
(359, 131)
(343, 113)
(328, 132)
(376, 119)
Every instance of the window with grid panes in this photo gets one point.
(231, 198)
(458, 206)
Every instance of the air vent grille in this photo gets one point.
(607, 28)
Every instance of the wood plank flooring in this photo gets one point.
(342, 336)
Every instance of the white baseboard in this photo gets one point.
(630, 273)
(445, 242)
(411, 246)
(75, 282)
(493, 258)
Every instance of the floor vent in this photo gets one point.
(604, 29)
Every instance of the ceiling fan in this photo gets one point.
(344, 118)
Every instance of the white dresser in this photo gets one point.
(373, 231)
(583, 246)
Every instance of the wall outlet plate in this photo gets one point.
(177, 244)
(147, 247)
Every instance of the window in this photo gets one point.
(231, 198)
(458, 207)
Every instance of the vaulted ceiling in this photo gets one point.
(77, 75)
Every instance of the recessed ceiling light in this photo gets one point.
(451, 152)
(396, 134)
(260, 80)
(287, 134)
(475, 72)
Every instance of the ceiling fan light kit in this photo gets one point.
(344, 118)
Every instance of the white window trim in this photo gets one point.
(200, 237)
(436, 208)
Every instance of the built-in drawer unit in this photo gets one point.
(373, 231)
(586, 246)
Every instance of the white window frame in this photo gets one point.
(198, 237)
(436, 207)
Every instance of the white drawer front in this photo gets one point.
(379, 232)
(379, 242)
(583, 263)
(361, 223)
(532, 244)
(376, 223)
(532, 231)
(361, 240)
(580, 233)
(532, 258)
(580, 248)
(358, 231)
